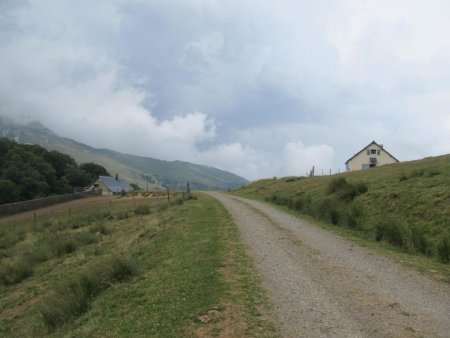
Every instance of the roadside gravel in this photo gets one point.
(325, 286)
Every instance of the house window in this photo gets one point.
(373, 151)
(368, 151)
(378, 152)
(373, 160)
(365, 166)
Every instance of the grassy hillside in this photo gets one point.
(405, 204)
(129, 267)
(134, 168)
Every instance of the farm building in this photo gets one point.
(112, 185)
(373, 155)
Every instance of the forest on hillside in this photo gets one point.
(30, 171)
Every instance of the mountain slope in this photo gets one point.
(134, 168)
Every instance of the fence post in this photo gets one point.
(168, 195)
(35, 219)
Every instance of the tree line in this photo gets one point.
(31, 171)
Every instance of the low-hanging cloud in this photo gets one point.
(261, 89)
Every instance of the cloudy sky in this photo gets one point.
(260, 88)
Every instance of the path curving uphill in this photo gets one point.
(324, 286)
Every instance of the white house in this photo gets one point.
(373, 155)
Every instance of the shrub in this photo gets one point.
(443, 248)
(142, 210)
(15, 273)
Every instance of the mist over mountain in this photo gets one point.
(144, 171)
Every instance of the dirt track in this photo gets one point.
(324, 286)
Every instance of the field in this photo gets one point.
(129, 266)
(403, 207)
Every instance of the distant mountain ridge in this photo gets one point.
(137, 169)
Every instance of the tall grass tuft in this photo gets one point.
(15, 273)
(392, 231)
(74, 298)
(99, 228)
(443, 248)
(142, 210)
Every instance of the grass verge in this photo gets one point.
(185, 274)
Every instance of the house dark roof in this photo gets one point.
(114, 185)
(362, 150)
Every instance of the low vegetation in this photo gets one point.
(405, 205)
(135, 267)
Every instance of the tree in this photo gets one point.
(8, 192)
(94, 170)
(77, 177)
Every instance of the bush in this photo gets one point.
(142, 210)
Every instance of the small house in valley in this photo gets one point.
(112, 185)
(373, 155)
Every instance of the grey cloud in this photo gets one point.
(239, 85)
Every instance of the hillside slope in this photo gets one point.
(406, 204)
(134, 168)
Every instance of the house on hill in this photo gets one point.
(112, 185)
(373, 155)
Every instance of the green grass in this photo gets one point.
(404, 207)
(145, 275)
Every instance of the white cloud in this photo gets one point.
(259, 88)
(300, 159)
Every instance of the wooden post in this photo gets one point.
(168, 195)
(35, 219)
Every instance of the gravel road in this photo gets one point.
(324, 286)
